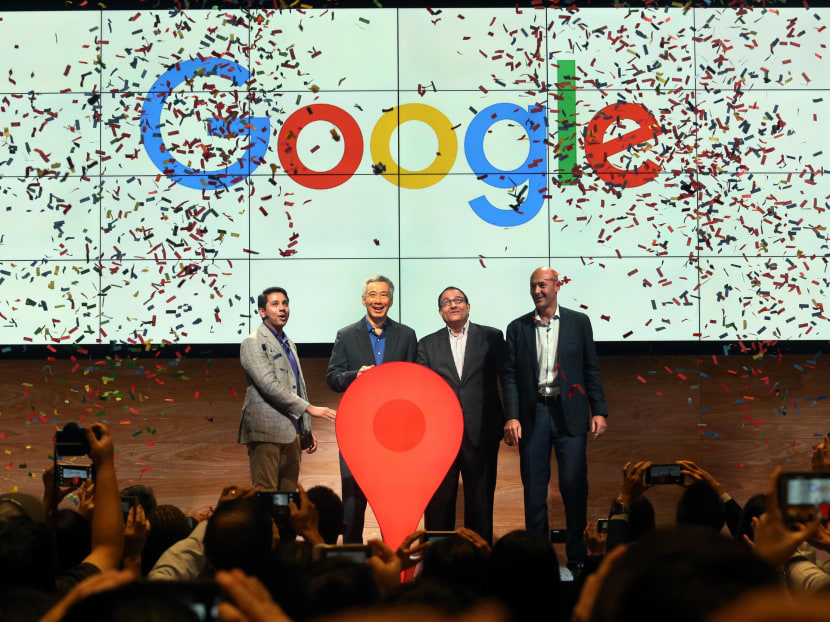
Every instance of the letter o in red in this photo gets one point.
(352, 146)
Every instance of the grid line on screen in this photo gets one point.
(733, 232)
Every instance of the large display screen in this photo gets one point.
(160, 168)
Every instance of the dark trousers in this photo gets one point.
(354, 506)
(534, 460)
(477, 466)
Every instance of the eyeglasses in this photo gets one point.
(446, 302)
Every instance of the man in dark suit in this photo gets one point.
(551, 378)
(276, 412)
(470, 358)
(372, 340)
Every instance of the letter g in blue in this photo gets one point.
(259, 127)
(533, 121)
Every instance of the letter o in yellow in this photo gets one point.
(447, 145)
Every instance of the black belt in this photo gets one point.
(548, 399)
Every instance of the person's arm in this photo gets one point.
(107, 519)
(421, 356)
(775, 541)
(135, 537)
(184, 560)
(512, 427)
(411, 346)
(306, 519)
(257, 365)
(805, 575)
(593, 377)
(338, 374)
(731, 508)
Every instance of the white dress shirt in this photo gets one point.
(547, 348)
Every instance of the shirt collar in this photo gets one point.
(282, 338)
(371, 328)
(463, 329)
(538, 320)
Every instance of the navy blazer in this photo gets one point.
(477, 389)
(579, 377)
(352, 350)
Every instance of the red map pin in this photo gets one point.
(399, 428)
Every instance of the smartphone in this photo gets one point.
(558, 536)
(201, 597)
(432, 536)
(278, 501)
(602, 525)
(74, 474)
(355, 552)
(126, 504)
(803, 497)
(658, 474)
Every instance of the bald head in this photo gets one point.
(544, 285)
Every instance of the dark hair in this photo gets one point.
(27, 555)
(287, 565)
(641, 520)
(700, 505)
(141, 601)
(330, 509)
(755, 506)
(145, 494)
(334, 585)
(262, 299)
(239, 535)
(443, 291)
(454, 560)
(73, 538)
(523, 572)
(448, 599)
(169, 525)
(682, 574)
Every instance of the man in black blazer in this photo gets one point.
(372, 340)
(551, 379)
(470, 358)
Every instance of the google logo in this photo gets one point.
(532, 119)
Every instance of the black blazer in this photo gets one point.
(352, 351)
(477, 389)
(579, 376)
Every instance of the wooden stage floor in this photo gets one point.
(175, 422)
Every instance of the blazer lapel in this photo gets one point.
(362, 338)
(445, 353)
(473, 348)
(391, 337)
(530, 343)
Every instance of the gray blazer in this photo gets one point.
(271, 402)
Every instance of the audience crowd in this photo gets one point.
(120, 555)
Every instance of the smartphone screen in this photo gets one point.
(355, 552)
(558, 536)
(658, 474)
(278, 501)
(434, 536)
(602, 525)
(804, 496)
(73, 475)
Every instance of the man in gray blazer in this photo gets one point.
(372, 340)
(276, 413)
(470, 357)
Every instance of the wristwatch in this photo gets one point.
(618, 508)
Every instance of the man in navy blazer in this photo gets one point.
(470, 357)
(372, 340)
(553, 396)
